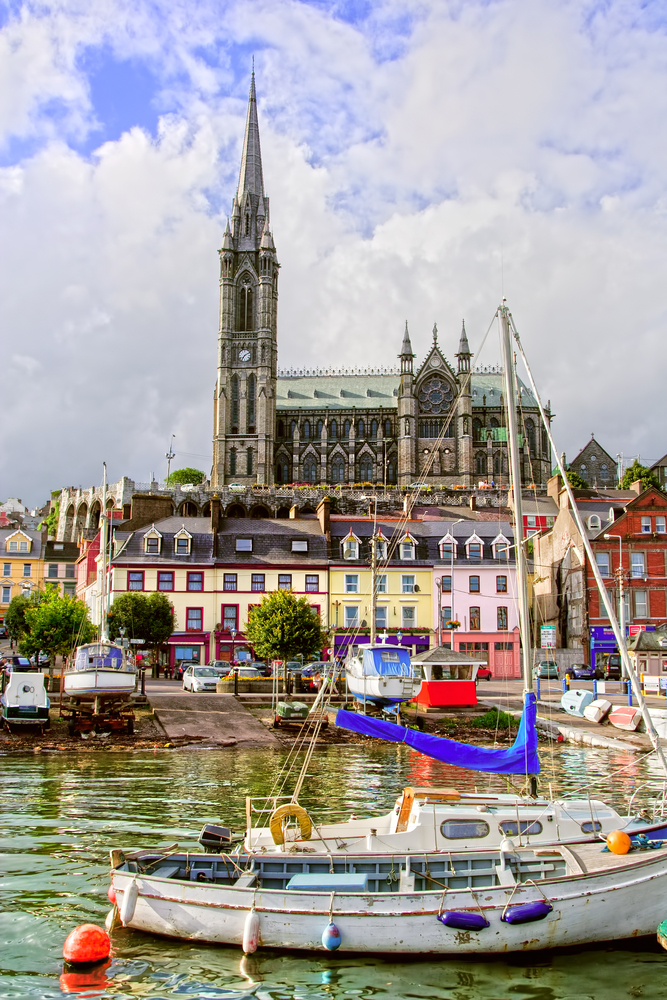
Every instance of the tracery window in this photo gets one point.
(366, 469)
(530, 434)
(333, 430)
(477, 429)
(387, 428)
(430, 428)
(235, 404)
(346, 431)
(248, 461)
(320, 428)
(245, 305)
(251, 393)
(360, 428)
(232, 462)
(310, 470)
(435, 395)
(338, 470)
(374, 429)
(306, 429)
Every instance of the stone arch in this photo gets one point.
(206, 509)
(94, 515)
(307, 509)
(260, 511)
(69, 523)
(283, 469)
(236, 510)
(80, 523)
(283, 513)
(188, 509)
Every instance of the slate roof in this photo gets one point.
(426, 534)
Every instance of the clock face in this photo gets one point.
(244, 355)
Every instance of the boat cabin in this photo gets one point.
(386, 661)
(449, 677)
(97, 655)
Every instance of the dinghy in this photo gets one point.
(596, 710)
(625, 717)
(574, 702)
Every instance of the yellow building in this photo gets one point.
(21, 552)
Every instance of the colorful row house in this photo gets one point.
(22, 555)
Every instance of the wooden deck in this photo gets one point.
(584, 858)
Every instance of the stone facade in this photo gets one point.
(595, 465)
(441, 424)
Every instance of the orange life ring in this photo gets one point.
(282, 813)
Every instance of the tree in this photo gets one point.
(185, 476)
(637, 471)
(15, 617)
(149, 618)
(284, 626)
(55, 625)
(575, 480)
(50, 522)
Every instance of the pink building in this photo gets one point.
(475, 585)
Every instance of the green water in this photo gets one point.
(61, 814)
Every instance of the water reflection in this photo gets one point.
(62, 814)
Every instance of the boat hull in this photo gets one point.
(383, 690)
(98, 681)
(612, 904)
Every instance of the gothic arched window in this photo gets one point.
(530, 434)
(346, 430)
(477, 430)
(494, 423)
(435, 395)
(310, 470)
(281, 429)
(374, 429)
(360, 428)
(306, 429)
(250, 408)
(245, 306)
(545, 441)
(391, 471)
(333, 430)
(282, 471)
(248, 461)
(480, 463)
(366, 469)
(387, 428)
(320, 428)
(235, 404)
(496, 464)
(232, 462)
(338, 470)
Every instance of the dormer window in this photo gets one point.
(447, 547)
(18, 543)
(407, 547)
(183, 543)
(244, 544)
(350, 547)
(153, 542)
(474, 548)
(500, 547)
(594, 523)
(299, 545)
(381, 548)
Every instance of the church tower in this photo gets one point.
(407, 415)
(245, 394)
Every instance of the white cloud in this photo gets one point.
(418, 163)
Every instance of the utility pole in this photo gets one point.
(169, 455)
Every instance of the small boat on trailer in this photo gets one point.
(382, 677)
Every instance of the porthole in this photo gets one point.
(591, 827)
(527, 828)
(464, 829)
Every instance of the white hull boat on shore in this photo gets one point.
(100, 668)
(382, 677)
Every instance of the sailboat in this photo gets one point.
(101, 668)
(403, 894)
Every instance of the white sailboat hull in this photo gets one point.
(98, 681)
(611, 904)
(383, 689)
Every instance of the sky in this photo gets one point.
(423, 158)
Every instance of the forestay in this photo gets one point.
(520, 758)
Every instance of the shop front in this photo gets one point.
(187, 647)
(500, 650)
(232, 649)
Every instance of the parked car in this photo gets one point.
(611, 669)
(546, 669)
(264, 670)
(4, 634)
(182, 667)
(582, 672)
(483, 673)
(199, 678)
(244, 672)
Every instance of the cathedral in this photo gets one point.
(439, 423)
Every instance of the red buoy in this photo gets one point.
(86, 944)
(111, 893)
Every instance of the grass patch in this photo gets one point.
(493, 719)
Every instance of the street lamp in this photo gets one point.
(621, 595)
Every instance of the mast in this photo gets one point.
(374, 572)
(104, 635)
(512, 434)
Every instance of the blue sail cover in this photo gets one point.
(520, 758)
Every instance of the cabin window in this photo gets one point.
(389, 655)
(591, 827)
(462, 829)
(520, 828)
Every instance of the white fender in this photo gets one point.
(251, 932)
(129, 904)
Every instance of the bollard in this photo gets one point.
(629, 686)
(595, 689)
(566, 685)
(537, 688)
(236, 681)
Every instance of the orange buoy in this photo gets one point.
(618, 842)
(111, 893)
(80, 981)
(86, 944)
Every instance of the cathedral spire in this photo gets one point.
(463, 353)
(251, 180)
(406, 347)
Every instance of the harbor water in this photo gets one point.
(61, 813)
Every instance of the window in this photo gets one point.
(366, 469)
(407, 584)
(502, 551)
(232, 459)
(248, 461)
(380, 617)
(660, 525)
(521, 827)
(250, 406)
(230, 616)
(12, 546)
(195, 581)
(284, 581)
(27, 569)
(446, 584)
(475, 551)
(475, 620)
(182, 546)
(503, 647)
(338, 470)
(193, 619)
(245, 302)
(374, 429)
(501, 585)
(351, 583)
(53, 571)
(135, 581)
(299, 545)
(230, 581)
(381, 549)
(320, 428)
(152, 545)
(408, 617)
(387, 428)
(333, 430)
(244, 544)
(346, 430)
(407, 550)
(306, 429)
(446, 615)
(636, 565)
(646, 525)
(257, 583)
(24, 547)
(464, 829)
(350, 548)
(6, 595)
(70, 571)
(310, 469)
(447, 551)
(360, 428)
(312, 583)
(6, 569)
(235, 417)
(641, 604)
(381, 583)
(602, 559)
(594, 522)
(502, 619)
(473, 584)
(69, 589)
(351, 616)
(165, 581)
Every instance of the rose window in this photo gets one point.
(435, 395)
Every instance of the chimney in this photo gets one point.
(216, 513)
(554, 486)
(637, 487)
(324, 515)
(294, 512)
